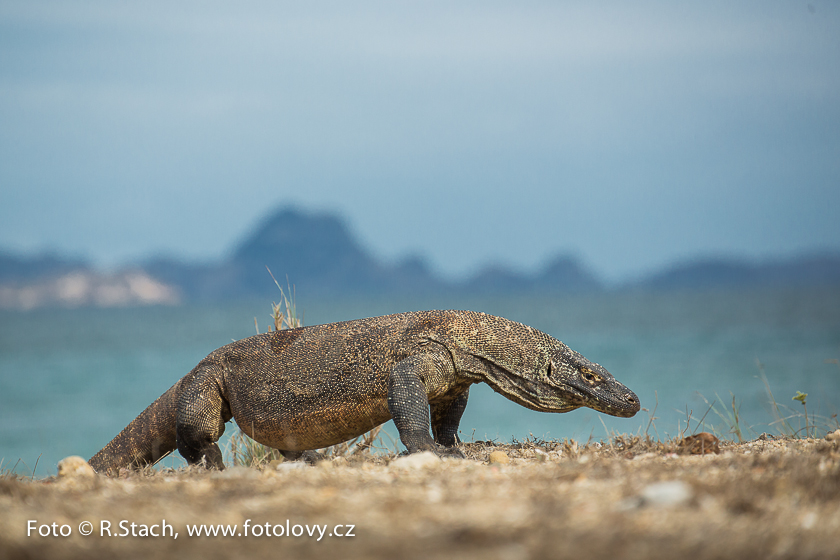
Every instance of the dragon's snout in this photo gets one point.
(632, 404)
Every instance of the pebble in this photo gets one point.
(666, 494)
(416, 461)
(833, 436)
(701, 444)
(289, 466)
(498, 457)
(75, 467)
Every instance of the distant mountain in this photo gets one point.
(21, 268)
(320, 257)
(728, 274)
(316, 252)
(48, 280)
(194, 281)
(562, 275)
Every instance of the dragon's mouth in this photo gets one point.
(529, 393)
(623, 408)
(618, 400)
(610, 397)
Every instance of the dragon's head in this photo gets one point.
(535, 369)
(561, 380)
(577, 381)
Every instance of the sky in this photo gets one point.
(631, 135)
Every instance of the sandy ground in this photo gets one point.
(630, 498)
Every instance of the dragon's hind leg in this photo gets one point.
(200, 421)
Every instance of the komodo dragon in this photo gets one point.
(312, 387)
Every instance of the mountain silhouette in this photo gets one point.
(809, 271)
(562, 275)
(314, 252)
(318, 255)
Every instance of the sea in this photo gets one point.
(725, 362)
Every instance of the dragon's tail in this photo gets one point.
(146, 440)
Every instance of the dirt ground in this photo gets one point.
(629, 498)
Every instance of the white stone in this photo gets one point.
(667, 494)
(291, 466)
(416, 461)
(74, 466)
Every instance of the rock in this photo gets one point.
(416, 461)
(700, 444)
(666, 494)
(498, 457)
(289, 466)
(75, 467)
(833, 436)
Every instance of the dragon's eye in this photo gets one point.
(548, 371)
(589, 375)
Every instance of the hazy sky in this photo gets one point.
(630, 134)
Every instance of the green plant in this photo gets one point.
(801, 397)
(812, 422)
(782, 415)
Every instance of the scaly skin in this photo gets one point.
(312, 387)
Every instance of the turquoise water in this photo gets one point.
(72, 379)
